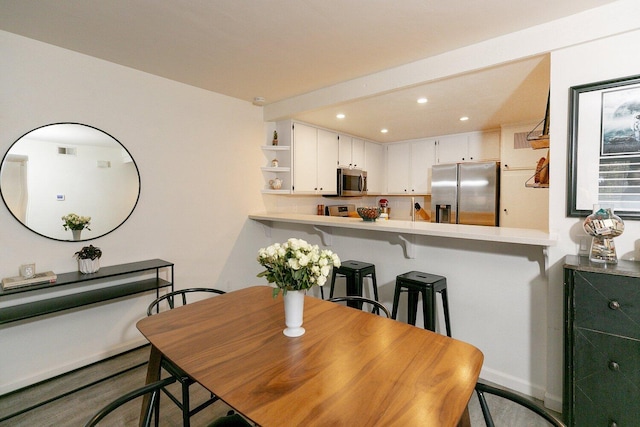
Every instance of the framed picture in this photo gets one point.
(604, 147)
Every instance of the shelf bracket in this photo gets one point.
(409, 246)
(266, 227)
(326, 234)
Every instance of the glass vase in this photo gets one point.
(603, 225)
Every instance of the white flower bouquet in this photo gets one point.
(296, 265)
(76, 222)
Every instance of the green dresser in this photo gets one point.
(601, 343)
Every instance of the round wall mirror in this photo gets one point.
(66, 176)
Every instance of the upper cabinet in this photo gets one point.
(408, 165)
(351, 152)
(315, 159)
(468, 147)
(374, 165)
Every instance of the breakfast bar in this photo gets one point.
(405, 230)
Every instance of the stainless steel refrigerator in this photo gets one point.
(466, 193)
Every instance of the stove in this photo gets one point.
(339, 210)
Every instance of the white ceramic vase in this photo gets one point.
(76, 234)
(293, 313)
(87, 266)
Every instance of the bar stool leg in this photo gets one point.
(396, 301)
(445, 309)
(333, 282)
(375, 286)
(429, 308)
(412, 300)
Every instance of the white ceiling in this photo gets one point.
(278, 49)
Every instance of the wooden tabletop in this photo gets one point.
(349, 368)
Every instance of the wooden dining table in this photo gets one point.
(350, 368)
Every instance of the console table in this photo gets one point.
(58, 303)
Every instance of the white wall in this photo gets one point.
(199, 159)
(603, 59)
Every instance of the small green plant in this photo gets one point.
(88, 252)
(275, 135)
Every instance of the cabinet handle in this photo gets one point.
(614, 305)
(614, 366)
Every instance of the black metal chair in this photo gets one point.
(376, 306)
(153, 389)
(482, 388)
(169, 301)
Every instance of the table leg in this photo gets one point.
(153, 374)
(465, 420)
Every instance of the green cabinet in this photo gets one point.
(602, 343)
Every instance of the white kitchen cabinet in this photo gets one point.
(314, 158)
(408, 165)
(521, 206)
(327, 181)
(422, 158)
(452, 148)
(305, 159)
(484, 146)
(351, 152)
(374, 165)
(468, 147)
(357, 153)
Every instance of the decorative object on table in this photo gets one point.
(295, 266)
(88, 259)
(76, 224)
(27, 271)
(276, 183)
(603, 225)
(274, 163)
(275, 138)
(36, 279)
(369, 213)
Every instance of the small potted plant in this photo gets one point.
(88, 259)
(275, 138)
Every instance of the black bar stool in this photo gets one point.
(415, 282)
(354, 272)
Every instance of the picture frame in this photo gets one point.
(604, 147)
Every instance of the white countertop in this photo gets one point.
(522, 236)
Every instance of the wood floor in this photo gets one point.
(32, 408)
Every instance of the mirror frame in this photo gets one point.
(99, 130)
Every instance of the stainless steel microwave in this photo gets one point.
(352, 182)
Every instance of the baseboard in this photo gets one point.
(513, 383)
(63, 369)
(553, 402)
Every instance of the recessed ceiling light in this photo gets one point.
(422, 100)
(340, 116)
(464, 118)
(384, 130)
